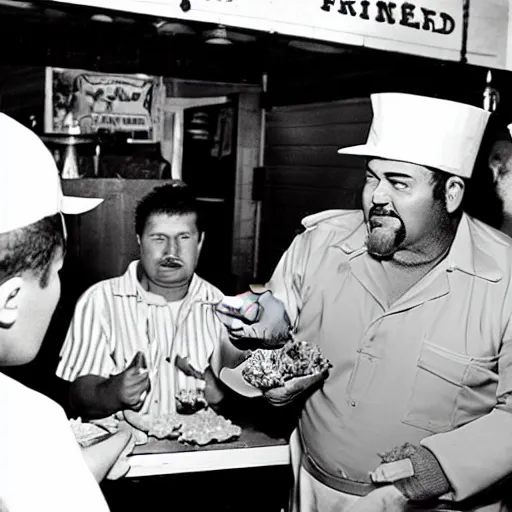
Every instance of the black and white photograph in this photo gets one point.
(256, 256)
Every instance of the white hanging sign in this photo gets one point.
(430, 28)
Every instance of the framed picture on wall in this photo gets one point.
(87, 102)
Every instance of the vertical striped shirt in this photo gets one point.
(116, 318)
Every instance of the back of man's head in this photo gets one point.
(174, 198)
(32, 239)
(30, 195)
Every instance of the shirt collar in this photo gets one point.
(467, 253)
(355, 243)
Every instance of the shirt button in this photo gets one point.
(353, 403)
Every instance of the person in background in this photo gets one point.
(410, 299)
(139, 340)
(483, 198)
(499, 161)
(41, 465)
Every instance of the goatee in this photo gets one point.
(383, 242)
(384, 236)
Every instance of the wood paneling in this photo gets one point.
(304, 173)
(102, 242)
(324, 177)
(320, 156)
(322, 114)
(317, 135)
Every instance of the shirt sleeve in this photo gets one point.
(287, 280)
(43, 466)
(86, 347)
(479, 454)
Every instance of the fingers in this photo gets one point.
(183, 364)
(278, 396)
(390, 472)
(136, 380)
(251, 312)
(138, 362)
(138, 406)
(232, 323)
(245, 308)
(137, 391)
(293, 388)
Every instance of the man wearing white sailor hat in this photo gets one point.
(42, 466)
(410, 301)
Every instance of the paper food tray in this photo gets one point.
(233, 378)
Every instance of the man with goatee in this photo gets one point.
(410, 299)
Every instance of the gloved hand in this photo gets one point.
(131, 386)
(294, 388)
(260, 316)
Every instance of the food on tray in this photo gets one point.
(161, 426)
(206, 426)
(267, 369)
(87, 434)
(189, 402)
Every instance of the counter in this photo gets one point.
(260, 444)
(263, 442)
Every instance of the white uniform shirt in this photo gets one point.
(116, 318)
(41, 465)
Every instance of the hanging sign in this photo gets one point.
(431, 28)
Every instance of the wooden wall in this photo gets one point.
(304, 173)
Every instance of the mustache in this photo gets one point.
(383, 212)
(171, 261)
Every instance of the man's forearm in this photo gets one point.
(90, 397)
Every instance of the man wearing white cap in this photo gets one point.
(41, 465)
(410, 299)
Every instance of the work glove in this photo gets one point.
(255, 315)
(295, 388)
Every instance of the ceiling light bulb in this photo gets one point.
(102, 17)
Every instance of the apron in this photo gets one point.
(310, 495)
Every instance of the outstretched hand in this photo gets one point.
(261, 316)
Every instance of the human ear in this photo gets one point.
(9, 293)
(454, 193)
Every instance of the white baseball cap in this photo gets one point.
(29, 180)
(442, 134)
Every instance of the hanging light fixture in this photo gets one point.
(103, 18)
(173, 28)
(491, 95)
(218, 35)
(315, 46)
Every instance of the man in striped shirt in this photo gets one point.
(138, 340)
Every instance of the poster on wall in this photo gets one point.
(87, 102)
